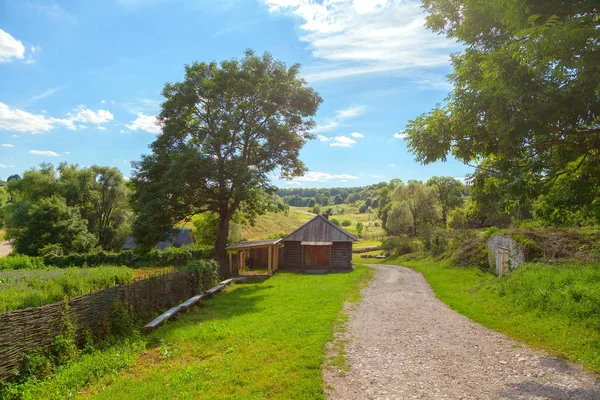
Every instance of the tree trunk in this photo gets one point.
(221, 244)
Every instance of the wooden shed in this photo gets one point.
(318, 244)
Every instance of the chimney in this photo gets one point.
(325, 216)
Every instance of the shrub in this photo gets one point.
(363, 209)
(472, 253)
(316, 210)
(399, 246)
(457, 219)
(438, 243)
(206, 272)
(21, 262)
(346, 222)
(335, 221)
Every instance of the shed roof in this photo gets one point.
(253, 243)
(320, 229)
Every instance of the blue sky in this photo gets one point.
(80, 80)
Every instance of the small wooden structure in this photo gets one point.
(318, 244)
(257, 253)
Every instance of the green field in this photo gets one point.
(554, 307)
(255, 341)
(33, 287)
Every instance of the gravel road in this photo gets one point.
(404, 343)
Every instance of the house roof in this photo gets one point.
(181, 237)
(254, 244)
(320, 229)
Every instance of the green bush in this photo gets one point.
(205, 271)
(21, 262)
(399, 246)
(346, 222)
(335, 221)
(472, 253)
(438, 243)
(171, 256)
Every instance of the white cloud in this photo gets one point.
(46, 153)
(342, 141)
(52, 9)
(357, 135)
(321, 177)
(92, 117)
(6, 166)
(8, 145)
(101, 128)
(46, 93)
(391, 165)
(14, 119)
(102, 101)
(15, 136)
(400, 135)
(339, 117)
(10, 48)
(67, 152)
(323, 138)
(147, 123)
(354, 37)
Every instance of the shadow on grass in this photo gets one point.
(225, 305)
(530, 389)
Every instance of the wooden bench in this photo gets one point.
(214, 290)
(191, 302)
(158, 321)
(226, 282)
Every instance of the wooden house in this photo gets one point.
(318, 244)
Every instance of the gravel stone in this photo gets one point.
(404, 343)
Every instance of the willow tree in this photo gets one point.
(226, 128)
(526, 89)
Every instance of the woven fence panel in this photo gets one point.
(24, 331)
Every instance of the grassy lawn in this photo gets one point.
(262, 340)
(553, 307)
(286, 224)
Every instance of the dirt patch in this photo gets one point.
(401, 342)
(5, 248)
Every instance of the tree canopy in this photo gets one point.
(526, 90)
(225, 128)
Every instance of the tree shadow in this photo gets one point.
(531, 389)
(225, 305)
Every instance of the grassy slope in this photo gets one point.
(280, 223)
(255, 341)
(533, 306)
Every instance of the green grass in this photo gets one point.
(20, 262)
(258, 340)
(32, 287)
(553, 307)
(276, 223)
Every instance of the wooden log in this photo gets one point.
(214, 290)
(226, 282)
(190, 302)
(158, 321)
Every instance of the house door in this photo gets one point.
(502, 261)
(317, 256)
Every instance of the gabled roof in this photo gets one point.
(253, 244)
(320, 229)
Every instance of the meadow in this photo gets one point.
(21, 288)
(264, 339)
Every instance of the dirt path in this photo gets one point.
(5, 248)
(404, 343)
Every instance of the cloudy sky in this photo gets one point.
(80, 80)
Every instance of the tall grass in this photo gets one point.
(565, 289)
(33, 287)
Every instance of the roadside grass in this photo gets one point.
(33, 287)
(262, 339)
(553, 307)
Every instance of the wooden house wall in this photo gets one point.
(292, 256)
(341, 255)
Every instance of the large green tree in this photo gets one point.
(422, 202)
(526, 88)
(450, 193)
(225, 129)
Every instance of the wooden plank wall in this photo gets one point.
(292, 255)
(341, 255)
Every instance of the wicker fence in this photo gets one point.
(25, 330)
